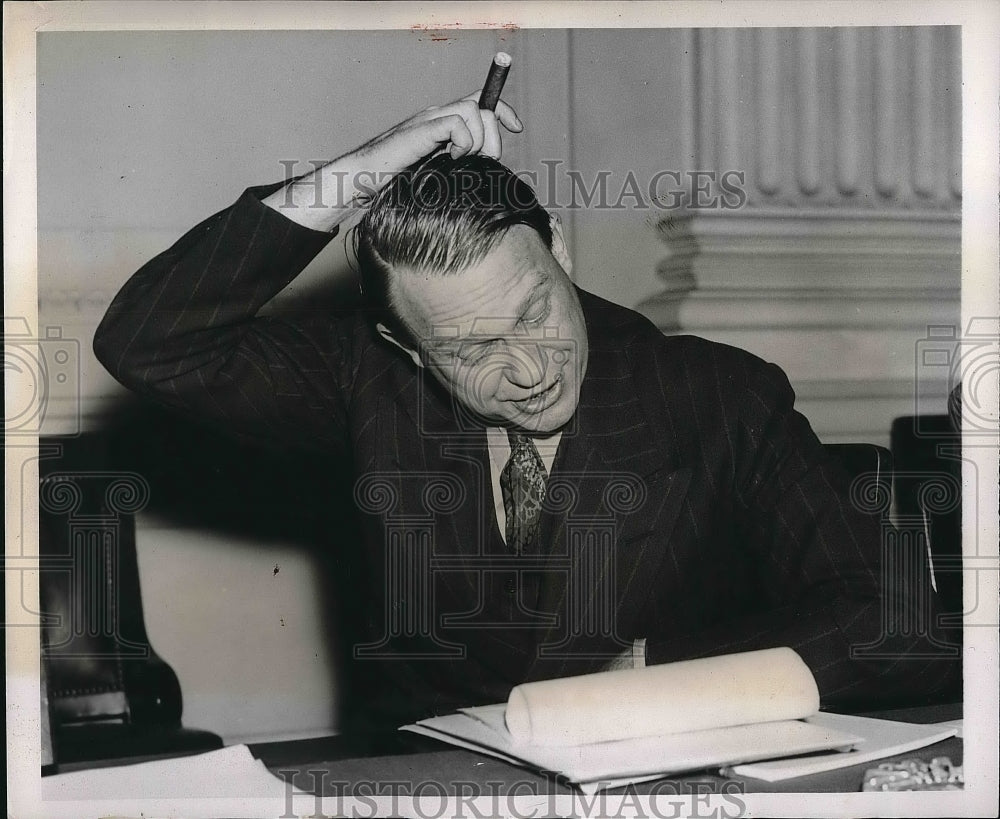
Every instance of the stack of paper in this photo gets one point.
(612, 728)
(599, 765)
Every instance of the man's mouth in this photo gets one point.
(542, 400)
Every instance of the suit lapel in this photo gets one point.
(424, 442)
(614, 496)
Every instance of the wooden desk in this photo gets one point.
(342, 766)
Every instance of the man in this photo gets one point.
(546, 485)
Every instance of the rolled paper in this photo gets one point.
(490, 96)
(692, 695)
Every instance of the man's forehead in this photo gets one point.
(486, 299)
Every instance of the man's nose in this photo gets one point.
(528, 365)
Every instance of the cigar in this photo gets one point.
(494, 81)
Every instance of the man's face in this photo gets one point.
(505, 336)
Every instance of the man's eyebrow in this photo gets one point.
(532, 295)
(441, 343)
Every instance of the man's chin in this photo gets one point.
(547, 421)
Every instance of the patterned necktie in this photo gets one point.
(522, 484)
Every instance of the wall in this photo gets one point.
(845, 256)
(141, 135)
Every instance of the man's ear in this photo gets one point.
(387, 334)
(559, 250)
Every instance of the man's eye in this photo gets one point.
(538, 311)
(445, 355)
(474, 353)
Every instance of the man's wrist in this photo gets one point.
(320, 200)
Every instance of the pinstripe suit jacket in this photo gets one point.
(688, 503)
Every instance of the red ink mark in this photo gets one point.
(435, 29)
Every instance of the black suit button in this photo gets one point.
(510, 586)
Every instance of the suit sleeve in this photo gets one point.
(855, 619)
(184, 330)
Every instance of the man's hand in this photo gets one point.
(324, 198)
(461, 127)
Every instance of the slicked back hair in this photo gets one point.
(437, 218)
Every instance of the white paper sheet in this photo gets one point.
(883, 738)
(227, 772)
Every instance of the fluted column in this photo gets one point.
(847, 245)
